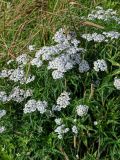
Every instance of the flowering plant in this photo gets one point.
(63, 94)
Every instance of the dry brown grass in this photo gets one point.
(15, 20)
(24, 21)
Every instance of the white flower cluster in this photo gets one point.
(61, 130)
(16, 94)
(3, 96)
(111, 34)
(104, 37)
(105, 15)
(17, 75)
(37, 62)
(82, 110)
(19, 95)
(74, 130)
(33, 105)
(62, 102)
(60, 65)
(22, 59)
(58, 121)
(2, 113)
(117, 83)
(83, 66)
(100, 65)
(94, 37)
(62, 56)
(5, 73)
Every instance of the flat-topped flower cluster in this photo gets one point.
(108, 15)
(62, 56)
(102, 14)
(16, 94)
(103, 37)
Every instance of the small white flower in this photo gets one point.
(82, 110)
(17, 75)
(2, 129)
(22, 59)
(30, 79)
(31, 47)
(74, 130)
(63, 100)
(61, 130)
(100, 65)
(30, 106)
(60, 36)
(16, 94)
(3, 96)
(77, 156)
(41, 106)
(95, 123)
(37, 62)
(4, 73)
(2, 113)
(66, 130)
(83, 66)
(75, 120)
(57, 74)
(58, 121)
(88, 37)
(60, 136)
(117, 83)
(28, 93)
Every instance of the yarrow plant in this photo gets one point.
(82, 110)
(63, 56)
(32, 105)
(62, 101)
(16, 94)
(117, 83)
(105, 15)
(100, 65)
(63, 96)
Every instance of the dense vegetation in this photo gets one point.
(59, 80)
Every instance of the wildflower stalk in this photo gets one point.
(65, 84)
(74, 141)
(91, 91)
(63, 152)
